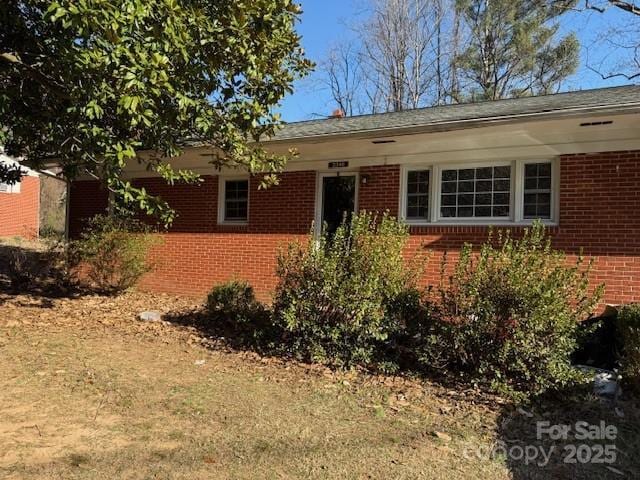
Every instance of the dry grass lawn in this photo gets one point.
(88, 391)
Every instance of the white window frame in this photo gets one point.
(222, 204)
(404, 187)
(555, 190)
(319, 200)
(516, 201)
(15, 188)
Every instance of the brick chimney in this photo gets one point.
(337, 113)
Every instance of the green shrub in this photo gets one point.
(234, 310)
(628, 332)
(508, 315)
(340, 297)
(115, 250)
(233, 301)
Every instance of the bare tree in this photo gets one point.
(415, 53)
(343, 77)
(400, 61)
(622, 39)
(400, 41)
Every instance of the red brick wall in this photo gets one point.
(20, 212)
(200, 253)
(600, 211)
(87, 198)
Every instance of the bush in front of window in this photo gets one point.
(341, 297)
(507, 315)
(628, 333)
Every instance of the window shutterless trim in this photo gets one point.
(404, 187)
(516, 203)
(222, 203)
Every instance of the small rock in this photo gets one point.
(150, 316)
(199, 362)
(522, 411)
(605, 384)
(442, 436)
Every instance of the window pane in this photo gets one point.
(501, 199)
(466, 174)
(465, 212)
(483, 212)
(543, 211)
(448, 200)
(544, 183)
(544, 169)
(530, 183)
(448, 211)
(412, 212)
(482, 192)
(483, 199)
(449, 187)
(529, 211)
(501, 185)
(502, 172)
(448, 175)
(537, 190)
(484, 186)
(465, 199)
(418, 194)
(236, 200)
(466, 186)
(531, 170)
(544, 198)
(501, 211)
(483, 172)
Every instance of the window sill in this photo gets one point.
(479, 223)
(229, 223)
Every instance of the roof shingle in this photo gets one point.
(448, 114)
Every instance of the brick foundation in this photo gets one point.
(599, 212)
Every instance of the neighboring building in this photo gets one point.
(571, 159)
(20, 205)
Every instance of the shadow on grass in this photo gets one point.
(30, 269)
(570, 435)
(602, 437)
(258, 335)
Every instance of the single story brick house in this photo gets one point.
(450, 172)
(20, 204)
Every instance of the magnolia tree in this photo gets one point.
(92, 83)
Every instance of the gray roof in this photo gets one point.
(446, 117)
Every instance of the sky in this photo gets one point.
(325, 23)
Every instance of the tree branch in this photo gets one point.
(630, 7)
(35, 74)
